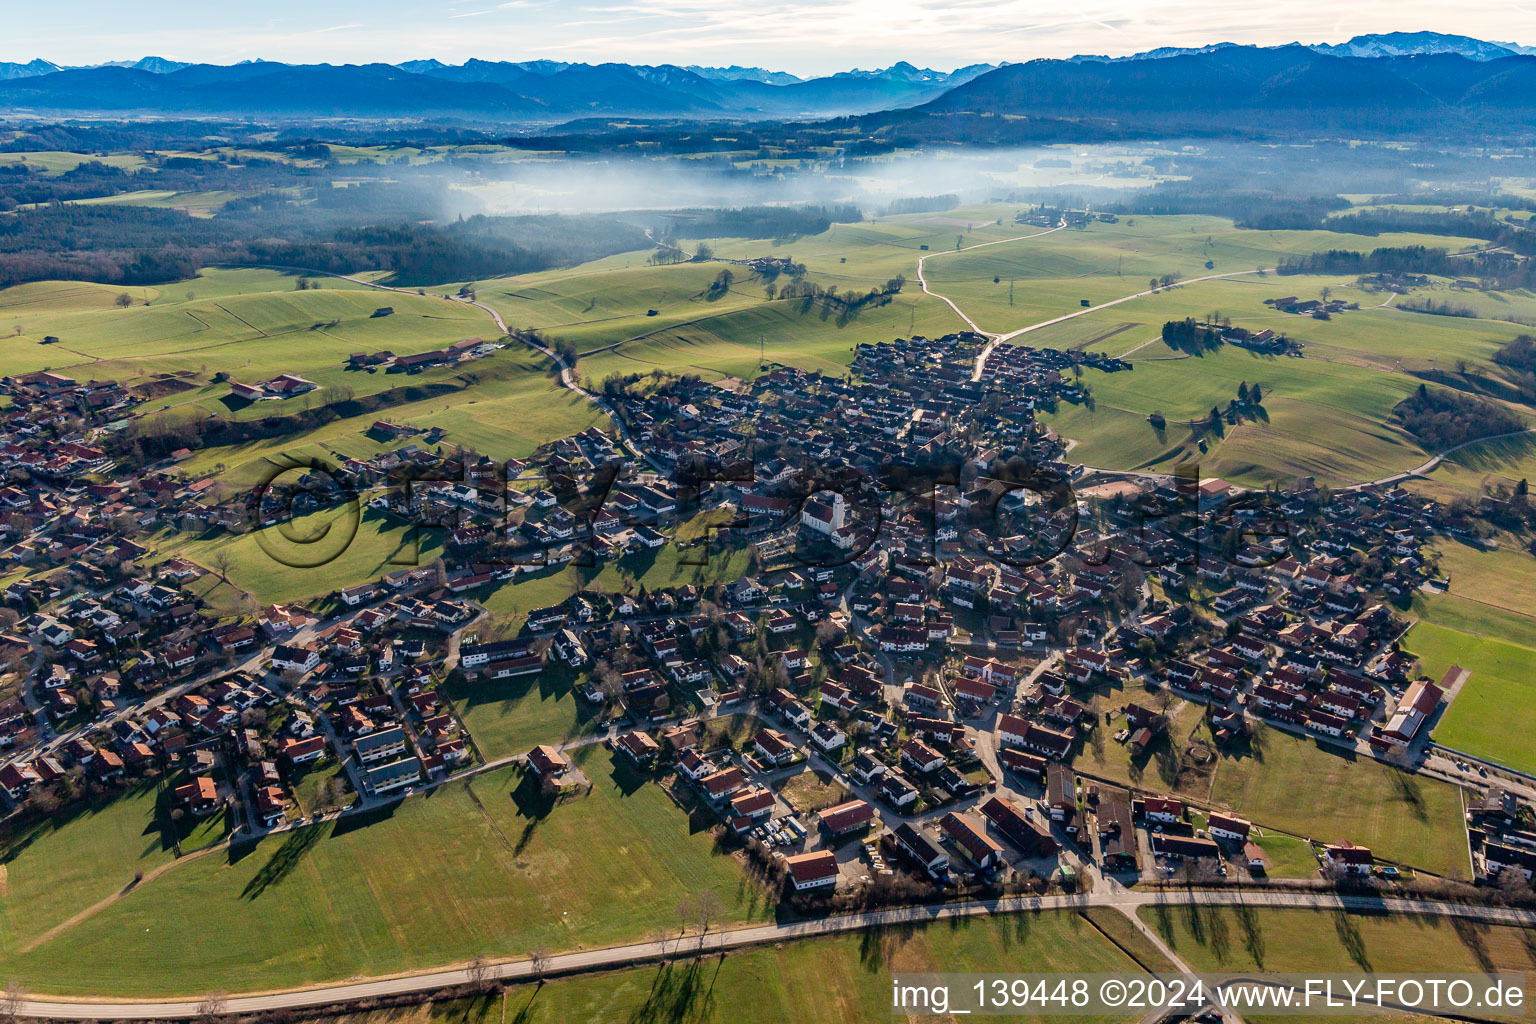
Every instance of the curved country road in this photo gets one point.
(999, 339)
(1122, 900)
(923, 280)
(567, 371)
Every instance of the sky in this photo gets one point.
(805, 37)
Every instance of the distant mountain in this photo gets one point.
(737, 73)
(501, 72)
(477, 90)
(1159, 53)
(159, 65)
(1249, 88)
(1393, 84)
(264, 89)
(422, 67)
(1386, 44)
(27, 70)
(1405, 44)
(898, 72)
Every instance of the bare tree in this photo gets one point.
(684, 909)
(14, 996)
(212, 1005)
(479, 974)
(538, 963)
(707, 908)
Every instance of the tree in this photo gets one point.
(479, 974)
(707, 907)
(123, 300)
(212, 1005)
(538, 963)
(222, 563)
(14, 996)
(684, 910)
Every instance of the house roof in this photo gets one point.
(811, 867)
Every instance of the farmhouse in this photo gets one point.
(1228, 827)
(1416, 708)
(847, 817)
(980, 848)
(817, 870)
(284, 385)
(1020, 827)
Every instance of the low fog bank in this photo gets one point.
(575, 186)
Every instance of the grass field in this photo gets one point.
(1494, 715)
(55, 162)
(511, 716)
(809, 791)
(832, 980)
(509, 408)
(314, 554)
(251, 325)
(1326, 414)
(1288, 857)
(1504, 578)
(604, 302)
(1504, 462)
(71, 861)
(736, 343)
(1293, 784)
(1245, 939)
(481, 867)
(1052, 273)
(1475, 618)
(1322, 419)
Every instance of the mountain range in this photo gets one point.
(1380, 44)
(1393, 82)
(477, 89)
(1253, 88)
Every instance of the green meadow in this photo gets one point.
(1494, 715)
(1249, 939)
(1298, 786)
(482, 867)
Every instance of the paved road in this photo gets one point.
(922, 280)
(1002, 339)
(1435, 461)
(567, 371)
(1125, 901)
